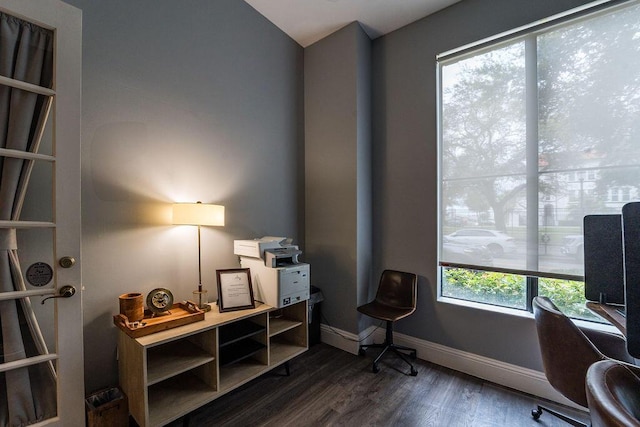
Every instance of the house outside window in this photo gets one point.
(537, 129)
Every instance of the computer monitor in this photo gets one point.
(603, 259)
(631, 247)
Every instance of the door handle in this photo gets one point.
(66, 291)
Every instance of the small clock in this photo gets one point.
(159, 300)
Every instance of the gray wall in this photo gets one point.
(338, 171)
(203, 100)
(182, 101)
(405, 178)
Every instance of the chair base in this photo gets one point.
(388, 345)
(535, 413)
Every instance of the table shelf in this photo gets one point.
(239, 350)
(173, 398)
(281, 351)
(172, 359)
(238, 331)
(278, 325)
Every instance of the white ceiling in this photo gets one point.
(307, 21)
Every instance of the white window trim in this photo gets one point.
(602, 327)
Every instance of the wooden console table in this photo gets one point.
(168, 374)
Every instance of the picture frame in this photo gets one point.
(234, 289)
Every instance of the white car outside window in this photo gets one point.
(497, 242)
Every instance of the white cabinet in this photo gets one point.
(168, 374)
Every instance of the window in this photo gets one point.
(536, 130)
(614, 194)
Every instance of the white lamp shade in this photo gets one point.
(198, 214)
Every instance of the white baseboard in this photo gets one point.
(338, 338)
(508, 375)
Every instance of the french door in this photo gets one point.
(41, 347)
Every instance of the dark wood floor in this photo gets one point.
(330, 387)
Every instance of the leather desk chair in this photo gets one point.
(569, 351)
(395, 299)
(613, 393)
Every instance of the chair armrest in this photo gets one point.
(611, 345)
(613, 394)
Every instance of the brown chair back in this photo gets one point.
(613, 393)
(566, 352)
(398, 289)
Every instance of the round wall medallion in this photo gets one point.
(39, 274)
(159, 300)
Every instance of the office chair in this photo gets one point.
(395, 299)
(613, 393)
(568, 351)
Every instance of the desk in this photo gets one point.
(610, 313)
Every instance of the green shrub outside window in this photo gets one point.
(510, 290)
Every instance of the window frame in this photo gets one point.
(528, 34)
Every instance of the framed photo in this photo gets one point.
(234, 289)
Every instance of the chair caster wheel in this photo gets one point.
(535, 413)
(375, 369)
(362, 352)
(414, 372)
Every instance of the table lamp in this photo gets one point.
(199, 214)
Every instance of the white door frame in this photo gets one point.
(66, 21)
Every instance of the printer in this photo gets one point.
(277, 277)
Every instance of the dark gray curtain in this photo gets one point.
(27, 395)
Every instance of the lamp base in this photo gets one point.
(200, 297)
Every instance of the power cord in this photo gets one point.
(335, 331)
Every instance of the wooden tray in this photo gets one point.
(180, 314)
